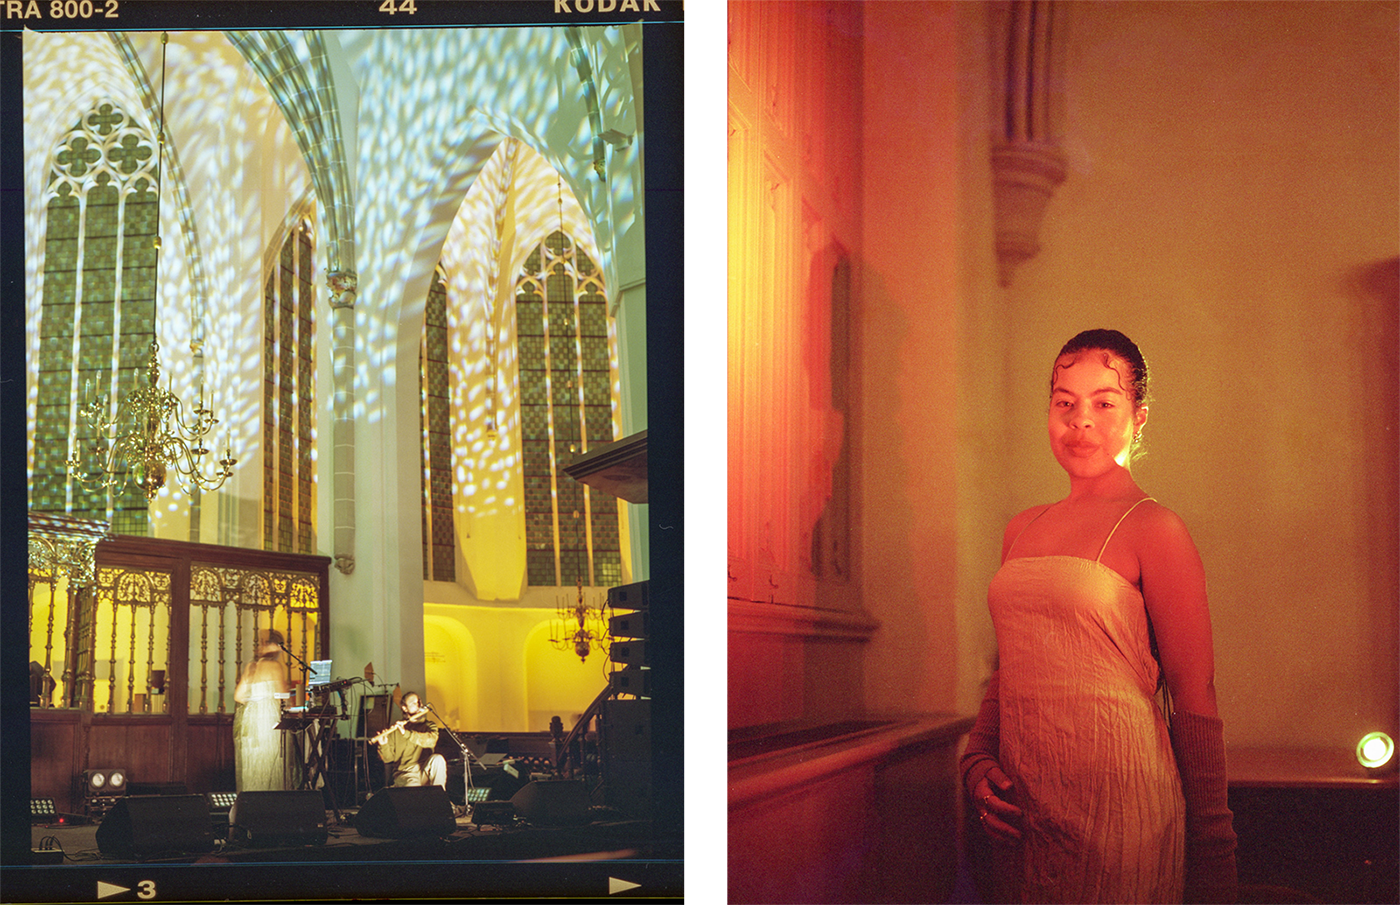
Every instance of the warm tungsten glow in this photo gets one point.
(1375, 750)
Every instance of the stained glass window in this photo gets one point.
(289, 433)
(439, 533)
(97, 316)
(566, 408)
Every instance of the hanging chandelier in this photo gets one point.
(149, 438)
(579, 627)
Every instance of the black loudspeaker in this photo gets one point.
(553, 802)
(270, 819)
(147, 825)
(624, 736)
(399, 811)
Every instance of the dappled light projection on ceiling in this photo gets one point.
(201, 275)
(511, 82)
(480, 304)
(428, 117)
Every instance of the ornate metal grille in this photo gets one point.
(61, 571)
(131, 619)
(230, 608)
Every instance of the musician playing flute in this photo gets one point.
(407, 747)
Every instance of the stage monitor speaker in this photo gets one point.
(273, 819)
(399, 811)
(553, 802)
(149, 825)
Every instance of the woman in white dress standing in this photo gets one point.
(1091, 791)
(258, 760)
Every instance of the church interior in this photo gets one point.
(339, 339)
(926, 200)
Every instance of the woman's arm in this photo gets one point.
(991, 790)
(1174, 586)
(245, 681)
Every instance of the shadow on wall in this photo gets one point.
(1375, 336)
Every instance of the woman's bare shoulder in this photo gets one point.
(1155, 523)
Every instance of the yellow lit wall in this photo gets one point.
(492, 668)
(49, 615)
(1239, 220)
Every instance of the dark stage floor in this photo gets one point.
(600, 859)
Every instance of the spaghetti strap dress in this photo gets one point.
(1082, 736)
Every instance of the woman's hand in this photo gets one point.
(995, 797)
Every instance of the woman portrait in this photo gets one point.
(1091, 616)
(1096, 793)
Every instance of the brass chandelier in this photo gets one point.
(149, 436)
(579, 627)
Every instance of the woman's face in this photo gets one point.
(1092, 417)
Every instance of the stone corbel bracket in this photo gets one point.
(1026, 162)
(1024, 176)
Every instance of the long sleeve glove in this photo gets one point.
(1199, 745)
(984, 740)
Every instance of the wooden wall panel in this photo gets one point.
(865, 817)
(140, 744)
(55, 757)
(209, 760)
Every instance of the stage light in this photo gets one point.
(42, 810)
(222, 800)
(1375, 750)
(104, 781)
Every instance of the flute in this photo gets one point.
(394, 728)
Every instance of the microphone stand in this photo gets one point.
(467, 758)
(305, 669)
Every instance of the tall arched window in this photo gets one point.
(288, 394)
(97, 316)
(435, 419)
(565, 409)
